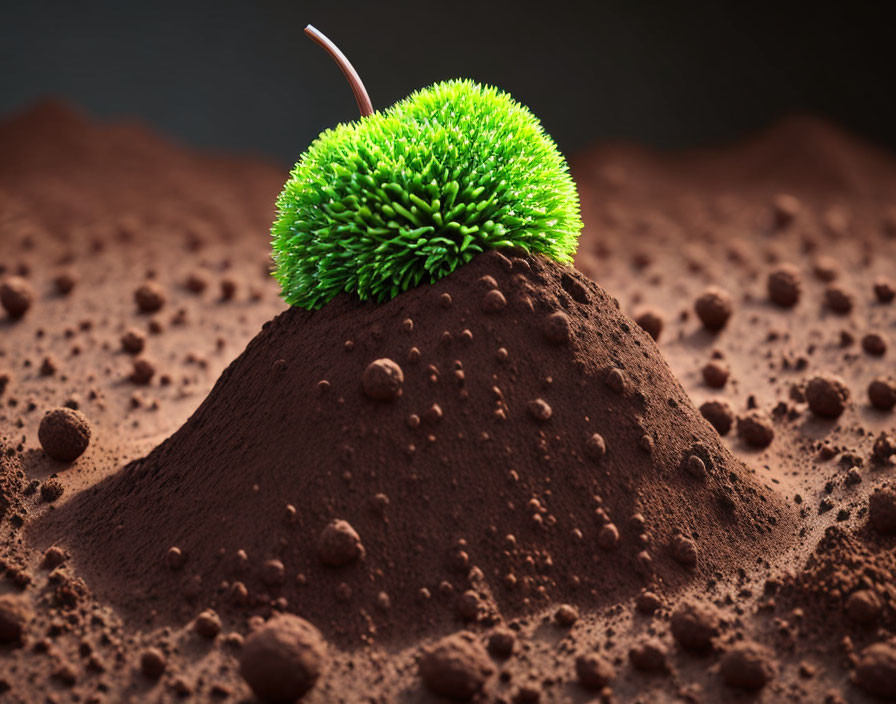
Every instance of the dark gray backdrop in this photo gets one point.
(242, 75)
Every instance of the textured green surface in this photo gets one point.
(407, 195)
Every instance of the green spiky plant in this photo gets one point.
(407, 195)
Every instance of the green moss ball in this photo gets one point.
(407, 195)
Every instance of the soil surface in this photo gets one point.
(667, 476)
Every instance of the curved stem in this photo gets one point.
(364, 104)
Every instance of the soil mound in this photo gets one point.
(63, 170)
(467, 451)
(852, 575)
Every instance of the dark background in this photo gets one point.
(242, 76)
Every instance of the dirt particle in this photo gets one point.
(493, 302)
(649, 655)
(684, 551)
(882, 393)
(884, 447)
(785, 286)
(647, 602)
(382, 380)
(615, 379)
(594, 672)
(747, 665)
(696, 467)
(195, 282)
(273, 574)
(884, 291)
(228, 289)
(875, 670)
(501, 643)
(755, 428)
(142, 371)
(714, 308)
(208, 624)
(51, 490)
(838, 299)
(283, 659)
(48, 367)
(383, 601)
(455, 667)
(66, 673)
(64, 434)
(874, 344)
(608, 536)
(16, 296)
(825, 268)
(863, 606)
(882, 509)
(566, 615)
(15, 615)
(646, 443)
(339, 544)
(487, 282)
(153, 663)
(595, 446)
(557, 328)
(133, 341)
(64, 282)
(239, 595)
(719, 414)
(651, 322)
(540, 410)
(827, 396)
(182, 688)
(432, 415)
(175, 558)
(150, 297)
(53, 557)
(527, 694)
(785, 209)
(694, 625)
(715, 374)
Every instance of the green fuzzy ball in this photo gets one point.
(407, 195)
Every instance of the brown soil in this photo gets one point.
(522, 505)
(456, 485)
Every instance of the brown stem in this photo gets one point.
(364, 104)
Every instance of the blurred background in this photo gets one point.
(242, 76)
